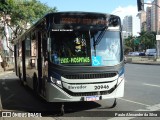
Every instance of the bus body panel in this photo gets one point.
(60, 96)
(54, 93)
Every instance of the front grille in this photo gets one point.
(90, 93)
(90, 75)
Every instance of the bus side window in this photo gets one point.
(33, 51)
(44, 48)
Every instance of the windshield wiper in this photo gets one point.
(100, 36)
(98, 40)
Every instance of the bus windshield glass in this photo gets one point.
(106, 50)
(85, 48)
(85, 39)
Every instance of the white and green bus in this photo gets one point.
(72, 56)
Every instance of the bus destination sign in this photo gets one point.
(87, 21)
(74, 60)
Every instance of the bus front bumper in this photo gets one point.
(56, 94)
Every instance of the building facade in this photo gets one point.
(152, 17)
(148, 18)
(128, 25)
(142, 17)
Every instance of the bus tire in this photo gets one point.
(35, 82)
(114, 103)
(62, 109)
(44, 81)
(20, 78)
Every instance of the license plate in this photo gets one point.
(91, 98)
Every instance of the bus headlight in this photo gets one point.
(56, 81)
(120, 79)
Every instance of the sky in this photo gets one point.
(121, 8)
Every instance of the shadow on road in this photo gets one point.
(16, 97)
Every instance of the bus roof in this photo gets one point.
(78, 13)
(70, 13)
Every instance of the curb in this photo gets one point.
(144, 63)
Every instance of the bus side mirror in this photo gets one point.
(114, 21)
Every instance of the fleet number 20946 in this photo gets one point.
(98, 87)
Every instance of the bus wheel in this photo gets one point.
(35, 82)
(44, 81)
(62, 109)
(20, 78)
(114, 103)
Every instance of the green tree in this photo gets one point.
(148, 39)
(129, 44)
(22, 14)
(144, 41)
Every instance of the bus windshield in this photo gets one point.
(85, 48)
(105, 51)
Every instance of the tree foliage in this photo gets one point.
(144, 41)
(148, 39)
(23, 13)
(16, 15)
(129, 44)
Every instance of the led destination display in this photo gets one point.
(74, 60)
(83, 21)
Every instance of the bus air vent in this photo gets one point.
(90, 75)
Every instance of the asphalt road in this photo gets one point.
(142, 93)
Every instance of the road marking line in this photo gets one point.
(134, 102)
(154, 107)
(151, 85)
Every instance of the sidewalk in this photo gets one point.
(10, 67)
(2, 72)
(141, 60)
(146, 62)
